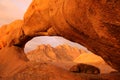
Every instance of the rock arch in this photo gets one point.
(94, 24)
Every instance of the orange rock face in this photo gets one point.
(12, 59)
(13, 35)
(40, 69)
(94, 24)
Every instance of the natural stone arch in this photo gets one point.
(94, 24)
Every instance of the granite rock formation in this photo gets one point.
(65, 56)
(85, 68)
(40, 69)
(96, 61)
(62, 53)
(93, 23)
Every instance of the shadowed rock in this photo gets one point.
(93, 23)
(85, 68)
(12, 60)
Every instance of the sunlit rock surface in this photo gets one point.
(60, 53)
(44, 66)
(94, 60)
(94, 24)
(66, 56)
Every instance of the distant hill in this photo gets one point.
(66, 56)
(52, 40)
(48, 63)
(59, 53)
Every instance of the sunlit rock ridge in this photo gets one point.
(62, 53)
(48, 63)
(66, 56)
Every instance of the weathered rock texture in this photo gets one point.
(85, 68)
(12, 60)
(62, 53)
(13, 35)
(94, 60)
(46, 71)
(93, 23)
(37, 69)
(65, 56)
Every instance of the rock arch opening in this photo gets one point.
(95, 26)
(53, 41)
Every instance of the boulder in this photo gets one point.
(85, 68)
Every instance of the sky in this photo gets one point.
(53, 41)
(11, 10)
